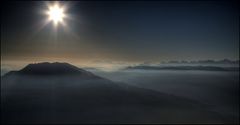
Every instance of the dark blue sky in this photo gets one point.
(131, 31)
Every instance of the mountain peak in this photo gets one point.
(56, 68)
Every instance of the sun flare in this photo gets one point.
(56, 14)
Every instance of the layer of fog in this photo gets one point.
(68, 99)
(219, 90)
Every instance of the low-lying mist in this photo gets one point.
(218, 89)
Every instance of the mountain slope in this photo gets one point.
(62, 93)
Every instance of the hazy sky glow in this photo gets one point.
(123, 31)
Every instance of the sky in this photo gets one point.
(109, 33)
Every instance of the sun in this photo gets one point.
(56, 13)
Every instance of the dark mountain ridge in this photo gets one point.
(56, 68)
(62, 93)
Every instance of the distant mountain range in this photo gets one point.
(206, 65)
(224, 61)
(205, 68)
(63, 93)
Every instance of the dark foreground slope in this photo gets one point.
(62, 93)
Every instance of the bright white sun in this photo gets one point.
(56, 14)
